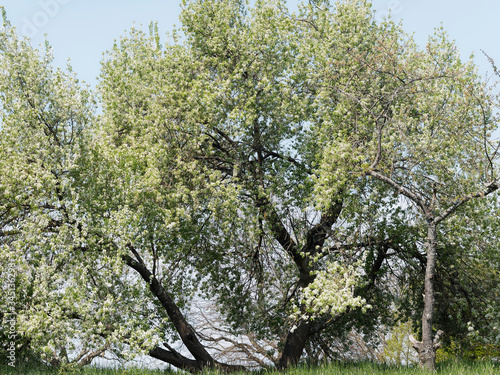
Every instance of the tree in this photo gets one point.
(44, 113)
(244, 164)
(242, 109)
(419, 122)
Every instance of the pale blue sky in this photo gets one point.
(83, 29)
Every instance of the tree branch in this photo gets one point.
(175, 359)
(186, 332)
(400, 189)
(490, 188)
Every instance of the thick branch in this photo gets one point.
(417, 345)
(289, 159)
(186, 331)
(317, 235)
(88, 357)
(175, 359)
(283, 237)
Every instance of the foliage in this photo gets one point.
(397, 348)
(331, 292)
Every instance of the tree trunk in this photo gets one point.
(294, 345)
(428, 353)
(427, 347)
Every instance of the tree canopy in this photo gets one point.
(255, 188)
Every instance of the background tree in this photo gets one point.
(44, 117)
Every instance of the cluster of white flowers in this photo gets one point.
(332, 292)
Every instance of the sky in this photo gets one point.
(82, 30)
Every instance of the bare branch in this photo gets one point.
(490, 188)
(401, 190)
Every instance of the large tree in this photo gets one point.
(249, 164)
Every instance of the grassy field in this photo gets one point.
(449, 368)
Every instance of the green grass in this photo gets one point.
(27, 370)
(448, 368)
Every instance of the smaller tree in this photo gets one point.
(397, 347)
(420, 122)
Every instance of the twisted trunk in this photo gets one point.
(296, 339)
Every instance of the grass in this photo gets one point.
(447, 368)
(28, 370)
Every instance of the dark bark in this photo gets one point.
(176, 359)
(318, 234)
(294, 345)
(186, 331)
(202, 359)
(296, 340)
